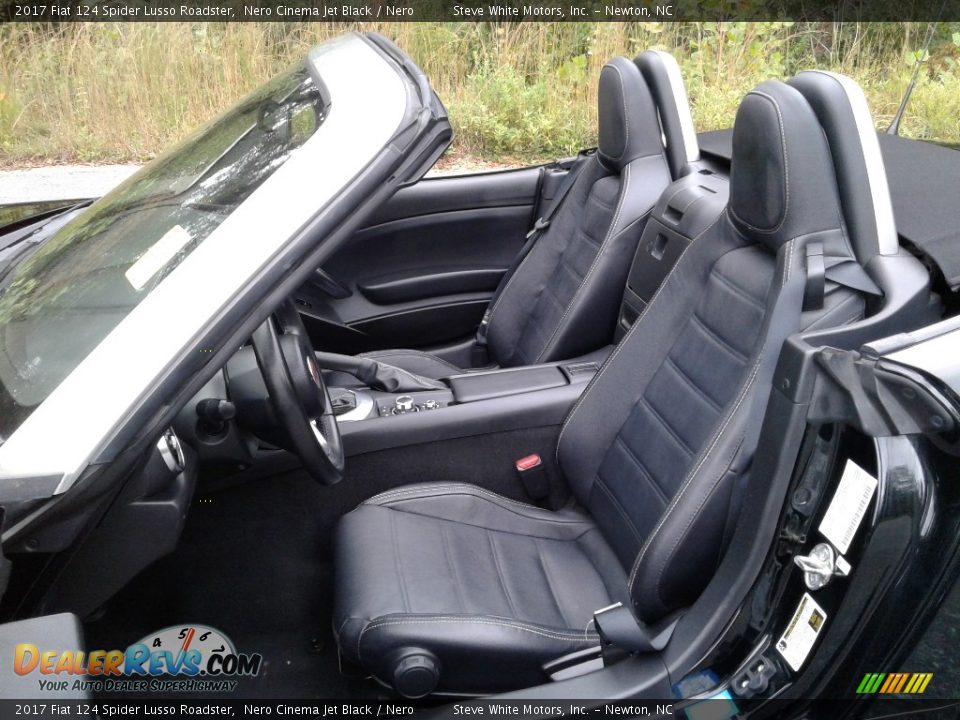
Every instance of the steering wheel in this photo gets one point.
(298, 395)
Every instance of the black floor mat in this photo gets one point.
(254, 563)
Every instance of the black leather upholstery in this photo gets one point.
(652, 450)
(777, 151)
(562, 300)
(628, 126)
(479, 580)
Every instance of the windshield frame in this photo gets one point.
(369, 100)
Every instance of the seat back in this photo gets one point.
(562, 300)
(661, 436)
(662, 73)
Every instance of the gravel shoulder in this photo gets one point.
(61, 182)
(75, 182)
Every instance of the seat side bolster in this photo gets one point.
(482, 508)
(601, 290)
(603, 407)
(516, 306)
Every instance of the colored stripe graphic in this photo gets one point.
(894, 683)
(865, 683)
(891, 681)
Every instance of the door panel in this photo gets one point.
(422, 272)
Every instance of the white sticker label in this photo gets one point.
(798, 639)
(159, 254)
(848, 506)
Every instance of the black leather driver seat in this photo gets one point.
(561, 300)
(450, 588)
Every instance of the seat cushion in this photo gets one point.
(492, 587)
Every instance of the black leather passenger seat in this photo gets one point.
(561, 300)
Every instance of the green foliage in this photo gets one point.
(500, 112)
(516, 92)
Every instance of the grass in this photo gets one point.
(516, 92)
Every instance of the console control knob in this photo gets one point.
(404, 403)
(431, 405)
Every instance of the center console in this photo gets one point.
(355, 404)
(475, 403)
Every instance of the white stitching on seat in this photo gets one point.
(611, 233)
(539, 515)
(703, 458)
(575, 635)
(497, 304)
(786, 276)
(623, 343)
(339, 631)
(466, 488)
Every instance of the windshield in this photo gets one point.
(66, 295)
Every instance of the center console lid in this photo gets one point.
(471, 387)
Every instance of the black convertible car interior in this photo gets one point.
(564, 431)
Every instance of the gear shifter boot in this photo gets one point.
(377, 375)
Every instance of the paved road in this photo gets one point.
(61, 182)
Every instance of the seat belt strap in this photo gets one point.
(621, 632)
(785, 320)
(842, 271)
(541, 224)
(814, 289)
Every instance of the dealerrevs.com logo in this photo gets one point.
(182, 658)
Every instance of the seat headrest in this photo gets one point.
(782, 180)
(861, 177)
(627, 116)
(662, 74)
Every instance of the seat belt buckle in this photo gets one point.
(533, 475)
(540, 224)
(482, 328)
(478, 353)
